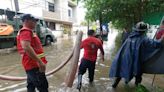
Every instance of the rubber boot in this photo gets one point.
(79, 82)
(117, 80)
(138, 80)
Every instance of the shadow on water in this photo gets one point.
(10, 64)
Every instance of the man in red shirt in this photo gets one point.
(33, 59)
(90, 46)
(161, 31)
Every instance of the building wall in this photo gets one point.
(64, 9)
(40, 9)
(74, 11)
(51, 15)
(58, 27)
(73, 7)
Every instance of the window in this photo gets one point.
(51, 7)
(69, 13)
(52, 26)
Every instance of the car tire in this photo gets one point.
(48, 41)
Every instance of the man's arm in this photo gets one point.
(29, 50)
(102, 51)
(159, 35)
(153, 43)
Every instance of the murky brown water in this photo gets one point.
(10, 64)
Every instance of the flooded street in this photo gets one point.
(10, 64)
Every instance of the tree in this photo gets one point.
(77, 1)
(122, 13)
(83, 23)
(95, 10)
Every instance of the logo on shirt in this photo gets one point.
(93, 46)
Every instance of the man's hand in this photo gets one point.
(42, 67)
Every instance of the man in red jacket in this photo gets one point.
(33, 59)
(161, 31)
(90, 46)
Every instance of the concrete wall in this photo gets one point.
(64, 9)
(74, 13)
(51, 15)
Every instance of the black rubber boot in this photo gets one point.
(138, 80)
(79, 82)
(116, 81)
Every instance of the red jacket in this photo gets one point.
(160, 33)
(91, 46)
(27, 35)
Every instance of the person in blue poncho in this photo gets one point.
(136, 49)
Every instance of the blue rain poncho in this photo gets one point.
(133, 53)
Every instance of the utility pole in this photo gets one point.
(16, 5)
(11, 5)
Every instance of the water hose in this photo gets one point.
(14, 78)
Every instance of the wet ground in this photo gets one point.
(10, 64)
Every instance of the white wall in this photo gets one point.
(51, 1)
(74, 11)
(58, 26)
(64, 9)
(57, 5)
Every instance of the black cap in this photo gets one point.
(90, 32)
(28, 17)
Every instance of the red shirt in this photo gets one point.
(91, 45)
(26, 34)
(160, 33)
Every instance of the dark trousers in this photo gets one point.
(87, 64)
(36, 79)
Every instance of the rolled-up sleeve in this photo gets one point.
(25, 35)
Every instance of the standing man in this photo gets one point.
(91, 46)
(33, 59)
(136, 49)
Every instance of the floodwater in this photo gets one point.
(10, 64)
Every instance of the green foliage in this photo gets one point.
(74, 0)
(83, 23)
(65, 31)
(141, 88)
(122, 13)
